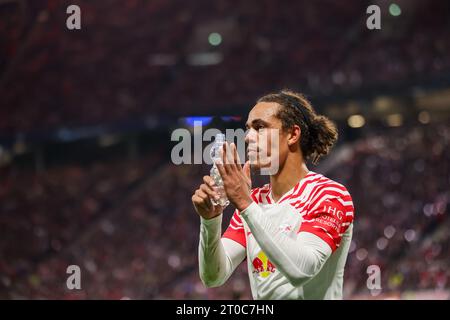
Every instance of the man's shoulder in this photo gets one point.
(329, 191)
(317, 187)
(326, 182)
(322, 183)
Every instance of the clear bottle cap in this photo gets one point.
(219, 141)
(220, 138)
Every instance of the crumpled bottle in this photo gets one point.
(215, 174)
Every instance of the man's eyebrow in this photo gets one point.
(256, 122)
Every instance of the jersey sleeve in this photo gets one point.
(329, 219)
(235, 230)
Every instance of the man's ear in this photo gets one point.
(294, 135)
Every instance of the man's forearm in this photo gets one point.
(297, 259)
(217, 257)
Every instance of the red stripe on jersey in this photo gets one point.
(265, 189)
(234, 231)
(236, 235)
(323, 193)
(268, 199)
(253, 194)
(236, 220)
(321, 234)
(288, 196)
(326, 183)
(317, 190)
(298, 193)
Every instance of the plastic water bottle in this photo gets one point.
(215, 174)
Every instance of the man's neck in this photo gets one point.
(293, 170)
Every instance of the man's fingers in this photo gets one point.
(223, 154)
(228, 162)
(209, 181)
(221, 170)
(209, 191)
(222, 161)
(237, 160)
(229, 156)
(202, 194)
(205, 200)
(197, 201)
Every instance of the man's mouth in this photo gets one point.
(251, 150)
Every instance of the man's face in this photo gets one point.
(267, 143)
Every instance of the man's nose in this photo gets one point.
(251, 136)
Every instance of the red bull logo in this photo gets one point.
(262, 265)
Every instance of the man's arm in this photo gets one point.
(300, 259)
(217, 257)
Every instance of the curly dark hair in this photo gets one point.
(318, 133)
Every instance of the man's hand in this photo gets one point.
(236, 179)
(202, 199)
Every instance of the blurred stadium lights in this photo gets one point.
(192, 121)
(211, 33)
(394, 120)
(356, 121)
(215, 39)
(395, 10)
(207, 120)
(389, 231)
(428, 209)
(438, 100)
(361, 254)
(231, 118)
(382, 243)
(204, 59)
(410, 235)
(387, 104)
(424, 117)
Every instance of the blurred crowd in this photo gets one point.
(399, 182)
(133, 58)
(42, 214)
(131, 228)
(129, 224)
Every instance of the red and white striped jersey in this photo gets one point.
(316, 204)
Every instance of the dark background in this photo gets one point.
(86, 118)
